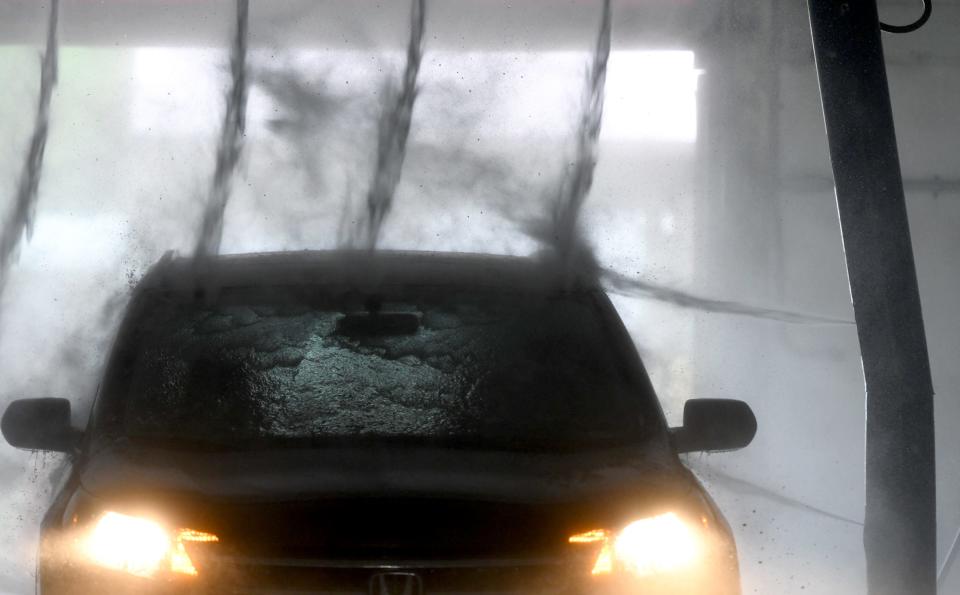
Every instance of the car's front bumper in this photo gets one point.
(244, 576)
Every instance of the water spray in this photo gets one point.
(231, 141)
(570, 248)
(579, 179)
(624, 285)
(393, 131)
(304, 109)
(562, 232)
(21, 219)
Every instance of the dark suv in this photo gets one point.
(378, 424)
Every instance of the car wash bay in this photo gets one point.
(713, 177)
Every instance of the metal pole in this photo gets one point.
(900, 519)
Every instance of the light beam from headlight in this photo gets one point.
(656, 545)
(141, 547)
(127, 543)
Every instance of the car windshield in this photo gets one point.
(493, 369)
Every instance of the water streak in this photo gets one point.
(20, 221)
(624, 285)
(393, 130)
(563, 233)
(231, 141)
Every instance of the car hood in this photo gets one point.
(272, 475)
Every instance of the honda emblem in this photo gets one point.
(396, 583)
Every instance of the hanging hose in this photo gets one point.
(927, 10)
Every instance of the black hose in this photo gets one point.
(927, 11)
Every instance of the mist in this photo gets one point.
(672, 152)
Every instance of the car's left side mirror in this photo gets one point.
(39, 424)
(714, 425)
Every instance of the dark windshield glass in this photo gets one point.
(512, 370)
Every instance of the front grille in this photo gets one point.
(530, 576)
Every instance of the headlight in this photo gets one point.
(656, 545)
(140, 546)
(652, 546)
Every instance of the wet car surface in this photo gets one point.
(388, 423)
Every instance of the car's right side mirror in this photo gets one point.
(39, 424)
(714, 425)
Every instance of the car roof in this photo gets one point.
(360, 268)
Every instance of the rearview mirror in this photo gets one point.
(39, 424)
(714, 425)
